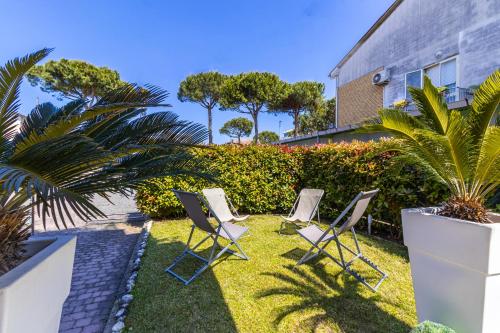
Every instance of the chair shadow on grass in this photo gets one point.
(335, 298)
(290, 229)
(197, 307)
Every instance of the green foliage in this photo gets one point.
(258, 179)
(345, 169)
(61, 157)
(261, 179)
(300, 97)
(75, 79)
(459, 148)
(252, 93)
(204, 89)
(236, 128)
(319, 118)
(430, 327)
(268, 137)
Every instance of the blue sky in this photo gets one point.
(161, 42)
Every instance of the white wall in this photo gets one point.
(417, 30)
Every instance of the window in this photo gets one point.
(413, 79)
(433, 74)
(443, 74)
(449, 74)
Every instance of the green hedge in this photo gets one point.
(265, 179)
(258, 179)
(343, 170)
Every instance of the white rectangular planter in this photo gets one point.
(455, 266)
(33, 293)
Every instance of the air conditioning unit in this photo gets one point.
(381, 77)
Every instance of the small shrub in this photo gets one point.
(430, 327)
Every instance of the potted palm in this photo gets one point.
(54, 162)
(454, 249)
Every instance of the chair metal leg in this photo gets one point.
(242, 255)
(207, 262)
(342, 263)
(359, 255)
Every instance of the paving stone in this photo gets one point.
(83, 322)
(95, 328)
(103, 251)
(102, 255)
(74, 330)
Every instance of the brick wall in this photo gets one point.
(359, 100)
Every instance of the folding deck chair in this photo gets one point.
(305, 207)
(192, 202)
(222, 206)
(321, 238)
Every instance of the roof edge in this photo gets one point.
(335, 130)
(367, 35)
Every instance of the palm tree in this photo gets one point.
(62, 157)
(461, 148)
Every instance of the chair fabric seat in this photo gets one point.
(290, 219)
(241, 218)
(313, 233)
(236, 231)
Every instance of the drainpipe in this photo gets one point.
(336, 101)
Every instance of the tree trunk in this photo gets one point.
(210, 138)
(239, 139)
(255, 126)
(296, 114)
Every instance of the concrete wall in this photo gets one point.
(120, 209)
(347, 136)
(422, 32)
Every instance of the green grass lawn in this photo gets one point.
(264, 294)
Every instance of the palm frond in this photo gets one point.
(11, 75)
(459, 147)
(133, 97)
(36, 121)
(62, 157)
(400, 121)
(488, 166)
(484, 105)
(431, 105)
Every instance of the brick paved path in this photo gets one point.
(102, 254)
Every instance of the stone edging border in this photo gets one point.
(116, 320)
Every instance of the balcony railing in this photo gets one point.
(454, 97)
(458, 94)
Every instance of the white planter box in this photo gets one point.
(33, 293)
(455, 266)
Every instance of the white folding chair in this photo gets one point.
(192, 202)
(219, 203)
(319, 239)
(305, 207)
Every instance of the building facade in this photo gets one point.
(455, 42)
